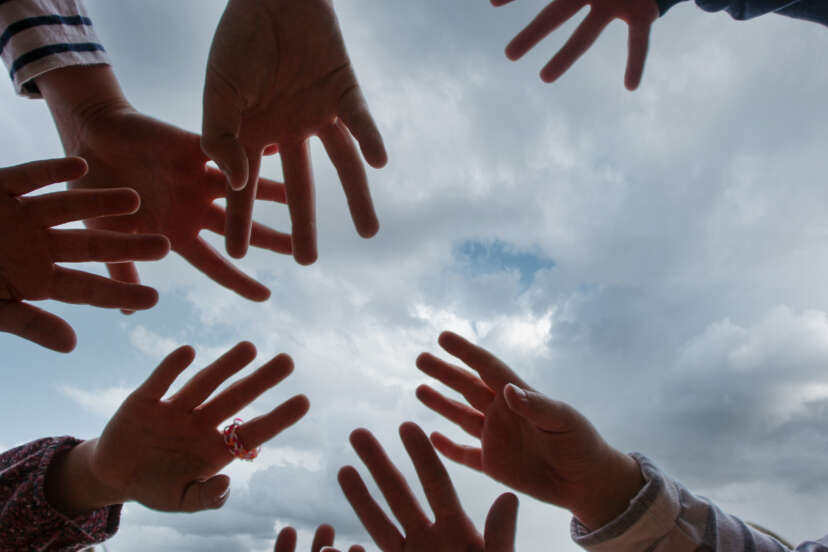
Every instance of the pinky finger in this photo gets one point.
(264, 428)
(462, 454)
(37, 325)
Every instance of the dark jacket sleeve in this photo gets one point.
(810, 10)
(27, 520)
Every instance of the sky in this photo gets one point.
(656, 259)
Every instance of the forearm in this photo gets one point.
(666, 517)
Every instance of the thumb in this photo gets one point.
(37, 325)
(220, 131)
(543, 412)
(206, 495)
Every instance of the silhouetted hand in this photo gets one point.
(639, 15)
(323, 539)
(278, 73)
(451, 529)
(535, 445)
(30, 249)
(165, 454)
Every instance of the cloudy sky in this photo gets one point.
(657, 259)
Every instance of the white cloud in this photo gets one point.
(101, 402)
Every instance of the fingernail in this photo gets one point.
(518, 393)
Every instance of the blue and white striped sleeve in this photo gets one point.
(37, 36)
(666, 517)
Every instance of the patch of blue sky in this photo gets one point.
(479, 257)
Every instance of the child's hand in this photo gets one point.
(451, 530)
(323, 539)
(534, 444)
(639, 15)
(30, 249)
(165, 454)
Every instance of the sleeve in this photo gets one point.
(37, 36)
(810, 10)
(27, 520)
(666, 517)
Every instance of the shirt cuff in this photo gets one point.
(664, 5)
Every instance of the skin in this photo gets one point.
(30, 249)
(536, 445)
(166, 453)
(278, 73)
(451, 530)
(323, 540)
(164, 164)
(639, 16)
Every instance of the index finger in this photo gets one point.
(301, 201)
(22, 179)
(492, 370)
(323, 537)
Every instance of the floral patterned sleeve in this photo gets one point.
(27, 520)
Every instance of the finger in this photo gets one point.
(340, 147)
(220, 131)
(240, 210)
(549, 19)
(491, 369)
(637, 45)
(272, 149)
(203, 384)
(467, 418)
(378, 525)
(541, 411)
(468, 456)
(501, 524)
(37, 325)
(74, 286)
(498, 3)
(245, 391)
(159, 382)
(261, 429)
(202, 256)
(581, 40)
(353, 110)
(261, 236)
(479, 395)
(124, 272)
(270, 190)
(286, 541)
(22, 179)
(390, 481)
(301, 202)
(103, 245)
(433, 476)
(206, 495)
(324, 536)
(62, 207)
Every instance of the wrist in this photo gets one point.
(619, 483)
(72, 486)
(78, 96)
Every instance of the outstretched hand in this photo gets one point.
(165, 454)
(30, 249)
(639, 16)
(323, 540)
(529, 442)
(165, 165)
(451, 529)
(278, 73)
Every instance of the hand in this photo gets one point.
(529, 442)
(29, 249)
(451, 530)
(165, 165)
(165, 453)
(639, 15)
(278, 73)
(323, 540)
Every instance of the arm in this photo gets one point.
(29, 519)
(811, 10)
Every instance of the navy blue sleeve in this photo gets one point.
(810, 10)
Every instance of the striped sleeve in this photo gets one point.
(666, 517)
(37, 36)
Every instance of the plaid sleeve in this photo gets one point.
(27, 520)
(37, 36)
